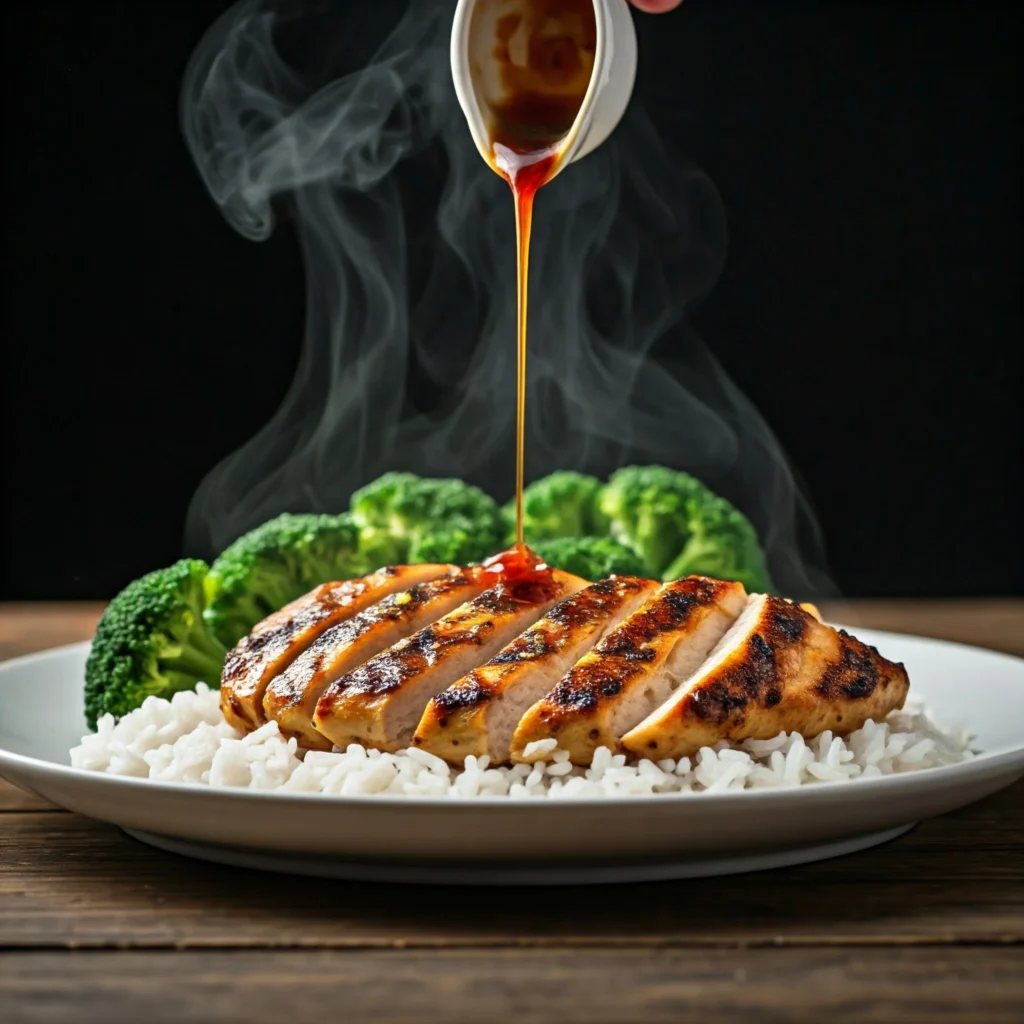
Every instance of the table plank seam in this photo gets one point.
(355, 945)
(32, 810)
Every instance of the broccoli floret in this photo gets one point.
(678, 526)
(648, 508)
(374, 505)
(722, 544)
(378, 547)
(593, 558)
(424, 518)
(152, 642)
(457, 545)
(276, 563)
(562, 504)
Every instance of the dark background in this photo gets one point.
(866, 154)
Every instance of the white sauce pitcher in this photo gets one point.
(474, 34)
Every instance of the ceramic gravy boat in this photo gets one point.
(476, 76)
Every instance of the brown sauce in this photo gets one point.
(521, 572)
(545, 55)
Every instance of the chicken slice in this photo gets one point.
(276, 641)
(633, 669)
(778, 668)
(479, 713)
(291, 697)
(381, 702)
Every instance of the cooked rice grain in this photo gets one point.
(187, 740)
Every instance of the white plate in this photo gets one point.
(498, 841)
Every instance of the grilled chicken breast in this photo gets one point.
(291, 696)
(276, 641)
(479, 713)
(811, 610)
(633, 669)
(380, 703)
(778, 668)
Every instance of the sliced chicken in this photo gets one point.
(381, 702)
(291, 697)
(276, 641)
(479, 713)
(778, 668)
(633, 669)
(811, 609)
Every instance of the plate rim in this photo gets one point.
(979, 766)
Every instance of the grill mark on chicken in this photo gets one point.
(502, 599)
(528, 647)
(581, 609)
(393, 608)
(782, 670)
(856, 675)
(479, 713)
(324, 601)
(583, 690)
(277, 641)
(381, 701)
(391, 669)
(469, 693)
(237, 663)
(290, 698)
(319, 605)
(633, 670)
(756, 679)
(624, 653)
(592, 604)
(789, 621)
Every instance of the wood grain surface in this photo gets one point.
(588, 986)
(95, 926)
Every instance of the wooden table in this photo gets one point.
(97, 927)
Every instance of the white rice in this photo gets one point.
(186, 739)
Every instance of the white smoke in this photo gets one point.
(624, 242)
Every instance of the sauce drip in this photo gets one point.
(524, 179)
(521, 572)
(545, 56)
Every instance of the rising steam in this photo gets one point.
(624, 242)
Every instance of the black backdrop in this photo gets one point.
(867, 158)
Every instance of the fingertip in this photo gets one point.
(656, 6)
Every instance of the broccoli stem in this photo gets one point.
(201, 654)
(199, 664)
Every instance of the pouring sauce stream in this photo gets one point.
(545, 54)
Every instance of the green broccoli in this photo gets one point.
(648, 508)
(562, 504)
(455, 544)
(424, 519)
(678, 526)
(593, 558)
(722, 544)
(374, 506)
(276, 563)
(152, 642)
